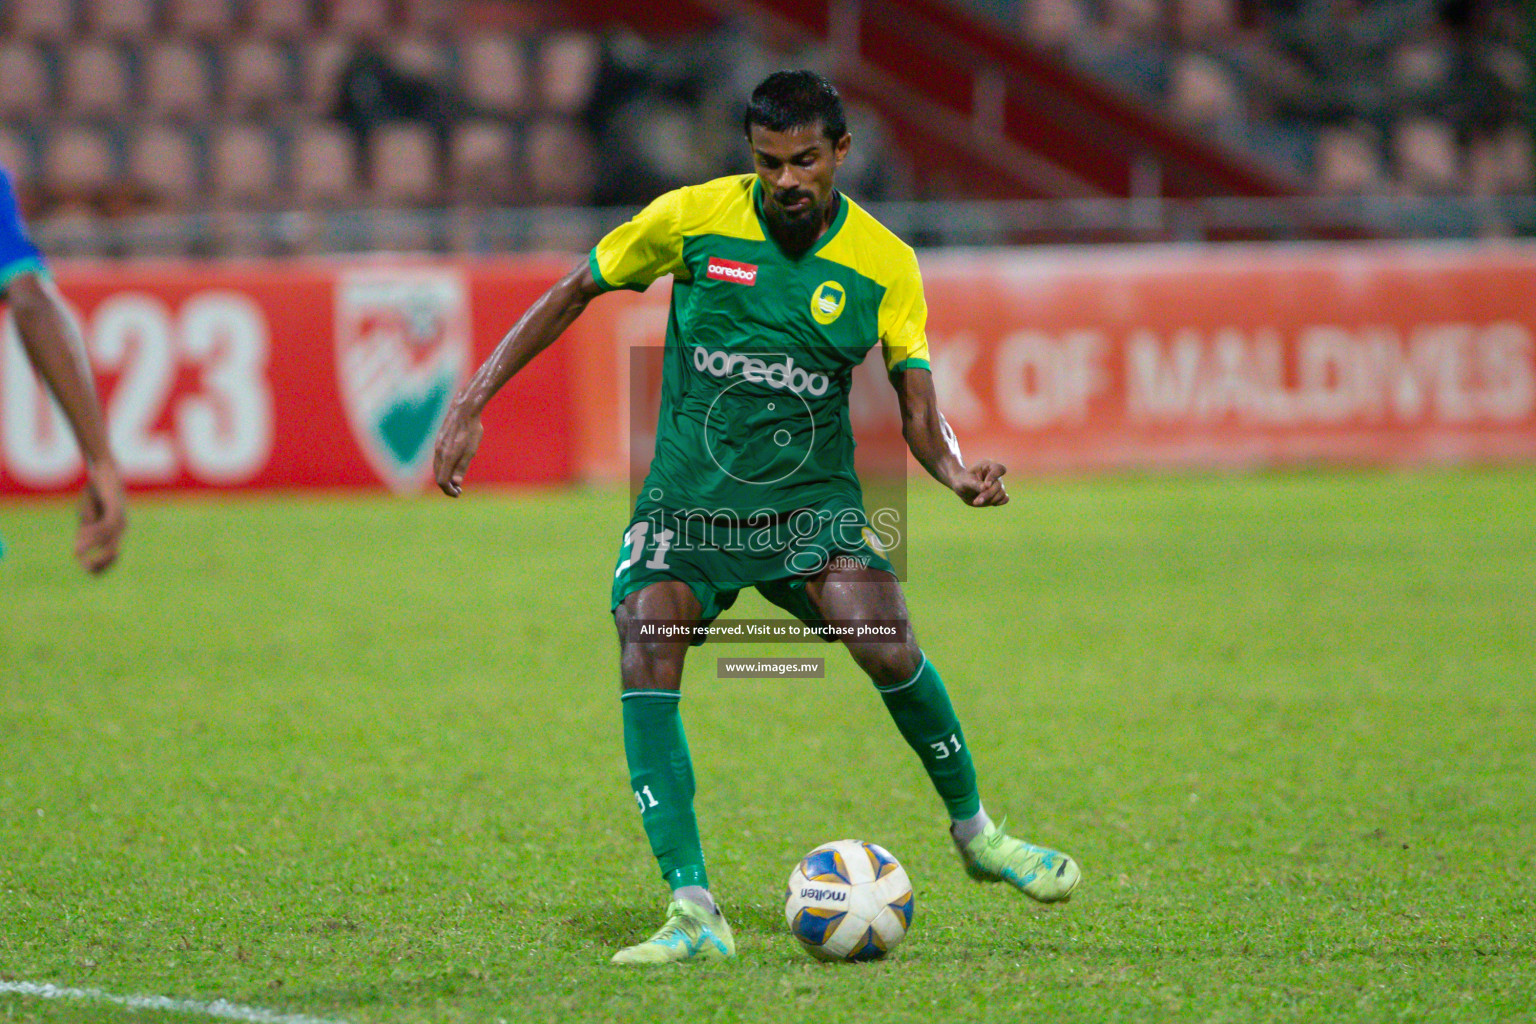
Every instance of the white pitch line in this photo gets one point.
(218, 1008)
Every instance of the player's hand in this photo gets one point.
(982, 484)
(457, 441)
(103, 517)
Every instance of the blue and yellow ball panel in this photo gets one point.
(812, 926)
(824, 866)
(870, 947)
(880, 860)
(903, 905)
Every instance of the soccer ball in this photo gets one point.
(848, 900)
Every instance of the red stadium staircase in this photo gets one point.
(983, 110)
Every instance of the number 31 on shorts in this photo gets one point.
(634, 543)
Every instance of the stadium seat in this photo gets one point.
(322, 61)
(176, 81)
(567, 71)
(493, 74)
(1425, 155)
(78, 161)
(120, 19)
(1202, 91)
(1501, 163)
(26, 93)
(403, 158)
(665, 134)
(482, 162)
(1203, 20)
(1051, 23)
(1485, 170)
(370, 18)
(420, 55)
(95, 80)
(285, 19)
(164, 160)
(1420, 69)
(1516, 160)
(41, 20)
(1346, 161)
(203, 19)
(243, 164)
(257, 77)
(324, 164)
(560, 163)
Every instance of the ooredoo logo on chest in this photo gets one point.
(729, 270)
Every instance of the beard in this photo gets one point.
(795, 232)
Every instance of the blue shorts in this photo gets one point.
(17, 253)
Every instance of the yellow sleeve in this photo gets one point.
(904, 317)
(637, 252)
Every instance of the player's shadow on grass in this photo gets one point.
(614, 924)
(754, 918)
(624, 924)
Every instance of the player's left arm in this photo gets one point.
(903, 328)
(934, 445)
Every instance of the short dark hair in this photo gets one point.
(795, 99)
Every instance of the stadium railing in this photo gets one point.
(926, 224)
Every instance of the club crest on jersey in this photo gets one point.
(402, 346)
(729, 270)
(827, 302)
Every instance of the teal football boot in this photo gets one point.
(691, 933)
(1044, 875)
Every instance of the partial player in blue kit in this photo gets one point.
(52, 342)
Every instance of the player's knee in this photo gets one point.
(651, 666)
(888, 664)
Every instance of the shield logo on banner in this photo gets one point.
(402, 347)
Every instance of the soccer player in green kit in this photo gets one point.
(780, 287)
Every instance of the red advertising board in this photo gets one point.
(298, 374)
(289, 375)
(1238, 355)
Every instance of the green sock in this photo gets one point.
(927, 721)
(661, 775)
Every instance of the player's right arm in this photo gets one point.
(459, 437)
(52, 343)
(632, 255)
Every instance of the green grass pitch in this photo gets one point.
(360, 759)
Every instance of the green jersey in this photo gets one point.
(761, 346)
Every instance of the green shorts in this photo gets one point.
(719, 557)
